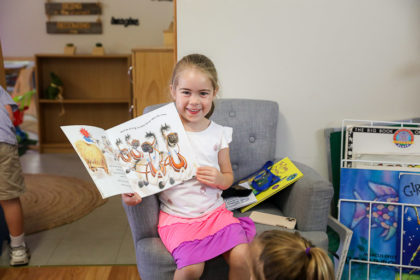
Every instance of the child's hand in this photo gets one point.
(212, 177)
(131, 199)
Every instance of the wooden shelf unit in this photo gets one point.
(96, 92)
(152, 70)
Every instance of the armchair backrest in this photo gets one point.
(254, 124)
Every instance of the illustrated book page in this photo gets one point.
(409, 195)
(146, 155)
(379, 206)
(287, 174)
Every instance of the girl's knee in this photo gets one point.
(239, 256)
(242, 250)
(190, 272)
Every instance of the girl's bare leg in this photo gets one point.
(13, 215)
(239, 260)
(190, 272)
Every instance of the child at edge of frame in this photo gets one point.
(279, 254)
(197, 204)
(12, 184)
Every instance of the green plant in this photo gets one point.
(53, 89)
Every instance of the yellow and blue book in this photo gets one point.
(271, 180)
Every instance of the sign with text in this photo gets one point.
(74, 27)
(73, 8)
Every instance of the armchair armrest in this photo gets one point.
(143, 218)
(308, 200)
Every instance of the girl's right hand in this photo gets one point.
(131, 199)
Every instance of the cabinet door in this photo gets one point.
(2, 73)
(152, 71)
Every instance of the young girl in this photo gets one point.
(194, 224)
(284, 255)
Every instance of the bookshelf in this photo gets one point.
(96, 92)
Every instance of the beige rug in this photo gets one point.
(52, 200)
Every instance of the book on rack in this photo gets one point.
(272, 179)
(382, 147)
(339, 238)
(381, 207)
(145, 155)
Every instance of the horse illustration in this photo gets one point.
(155, 165)
(174, 159)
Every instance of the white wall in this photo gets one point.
(322, 61)
(23, 27)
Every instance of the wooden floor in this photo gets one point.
(126, 272)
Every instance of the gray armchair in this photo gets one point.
(254, 125)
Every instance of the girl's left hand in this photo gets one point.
(131, 199)
(210, 176)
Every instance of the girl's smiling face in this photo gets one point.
(193, 94)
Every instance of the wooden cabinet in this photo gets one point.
(2, 73)
(96, 92)
(152, 70)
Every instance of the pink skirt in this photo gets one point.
(195, 240)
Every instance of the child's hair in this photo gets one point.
(199, 62)
(288, 256)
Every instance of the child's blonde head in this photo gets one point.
(288, 256)
(199, 62)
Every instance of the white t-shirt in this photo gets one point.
(192, 199)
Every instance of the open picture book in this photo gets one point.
(145, 155)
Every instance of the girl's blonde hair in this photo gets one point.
(201, 63)
(197, 61)
(288, 256)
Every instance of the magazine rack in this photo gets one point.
(376, 152)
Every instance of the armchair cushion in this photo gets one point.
(308, 200)
(143, 218)
(254, 124)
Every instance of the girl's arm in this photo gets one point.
(212, 177)
(10, 111)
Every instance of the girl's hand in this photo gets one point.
(212, 177)
(131, 199)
